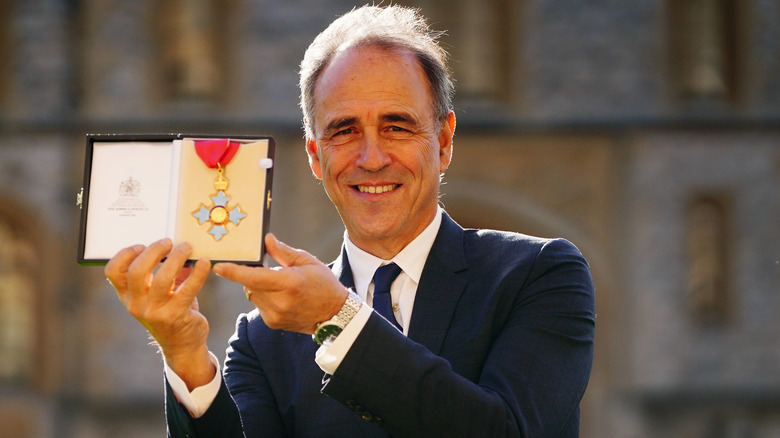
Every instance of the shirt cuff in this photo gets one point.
(198, 401)
(329, 357)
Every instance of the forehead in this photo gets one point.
(366, 78)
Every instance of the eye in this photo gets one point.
(397, 132)
(342, 136)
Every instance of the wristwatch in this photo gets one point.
(327, 331)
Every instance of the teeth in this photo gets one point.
(377, 189)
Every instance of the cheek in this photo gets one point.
(331, 165)
(429, 159)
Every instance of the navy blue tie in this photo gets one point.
(383, 278)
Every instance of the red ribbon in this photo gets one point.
(216, 152)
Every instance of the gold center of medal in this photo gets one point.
(218, 215)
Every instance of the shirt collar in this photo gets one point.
(411, 259)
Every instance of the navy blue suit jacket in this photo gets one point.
(500, 344)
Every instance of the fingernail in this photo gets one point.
(166, 242)
(137, 248)
(218, 269)
(184, 246)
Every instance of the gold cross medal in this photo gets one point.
(216, 154)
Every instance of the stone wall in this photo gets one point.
(589, 143)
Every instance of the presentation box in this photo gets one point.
(212, 191)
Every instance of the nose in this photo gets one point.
(373, 156)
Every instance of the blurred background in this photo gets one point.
(646, 131)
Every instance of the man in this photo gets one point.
(483, 333)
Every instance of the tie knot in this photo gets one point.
(384, 276)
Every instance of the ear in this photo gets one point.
(445, 142)
(314, 158)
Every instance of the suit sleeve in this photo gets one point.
(535, 371)
(221, 419)
(248, 388)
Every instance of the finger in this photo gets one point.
(164, 278)
(181, 276)
(170, 269)
(256, 278)
(248, 294)
(116, 268)
(286, 255)
(140, 271)
(189, 289)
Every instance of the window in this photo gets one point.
(703, 49)
(481, 50)
(17, 300)
(480, 43)
(5, 48)
(708, 292)
(191, 34)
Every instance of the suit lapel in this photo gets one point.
(440, 287)
(342, 270)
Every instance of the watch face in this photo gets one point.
(326, 331)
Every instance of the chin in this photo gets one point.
(378, 231)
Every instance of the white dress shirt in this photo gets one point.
(411, 260)
(403, 290)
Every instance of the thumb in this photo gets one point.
(285, 255)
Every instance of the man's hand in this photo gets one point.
(165, 303)
(296, 296)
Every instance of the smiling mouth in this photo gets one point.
(377, 189)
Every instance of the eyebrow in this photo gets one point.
(399, 117)
(338, 124)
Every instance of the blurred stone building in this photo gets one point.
(645, 131)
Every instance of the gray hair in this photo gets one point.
(394, 28)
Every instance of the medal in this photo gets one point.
(216, 154)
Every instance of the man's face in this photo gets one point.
(378, 148)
